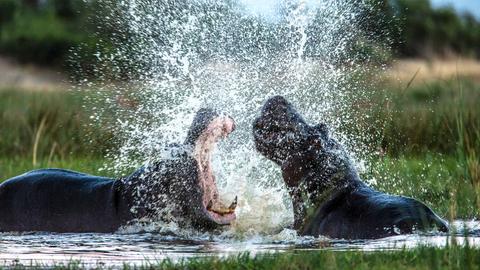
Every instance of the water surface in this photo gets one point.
(142, 248)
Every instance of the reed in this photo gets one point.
(452, 257)
(468, 152)
(422, 118)
(38, 134)
(51, 124)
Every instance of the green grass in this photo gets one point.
(437, 180)
(461, 258)
(48, 125)
(429, 145)
(422, 118)
(435, 118)
(421, 258)
(10, 167)
(46, 35)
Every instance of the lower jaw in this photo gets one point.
(225, 219)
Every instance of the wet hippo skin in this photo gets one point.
(328, 196)
(56, 200)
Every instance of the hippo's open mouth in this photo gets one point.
(218, 128)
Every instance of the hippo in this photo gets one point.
(56, 200)
(328, 196)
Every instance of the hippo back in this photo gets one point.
(364, 213)
(58, 200)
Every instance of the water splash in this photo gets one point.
(179, 56)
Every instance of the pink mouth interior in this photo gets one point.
(217, 129)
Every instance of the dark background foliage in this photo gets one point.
(44, 32)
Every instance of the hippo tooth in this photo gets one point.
(234, 204)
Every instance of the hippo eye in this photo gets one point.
(322, 129)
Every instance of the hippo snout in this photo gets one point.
(275, 102)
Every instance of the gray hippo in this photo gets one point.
(328, 196)
(55, 200)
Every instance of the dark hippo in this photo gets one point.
(182, 186)
(329, 198)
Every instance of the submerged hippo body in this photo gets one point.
(328, 195)
(62, 201)
(56, 200)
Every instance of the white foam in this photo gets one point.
(186, 57)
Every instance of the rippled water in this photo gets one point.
(144, 248)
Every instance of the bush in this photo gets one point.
(46, 35)
(40, 39)
(425, 31)
(7, 11)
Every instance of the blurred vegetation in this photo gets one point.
(428, 32)
(425, 117)
(47, 125)
(435, 179)
(45, 33)
(413, 28)
(13, 166)
(434, 117)
(428, 143)
(398, 120)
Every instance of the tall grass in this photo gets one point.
(38, 125)
(430, 144)
(468, 150)
(423, 118)
(437, 117)
(437, 180)
(422, 258)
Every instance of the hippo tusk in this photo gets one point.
(223, 211)
(234, 204)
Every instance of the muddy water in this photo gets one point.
(143, 248)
